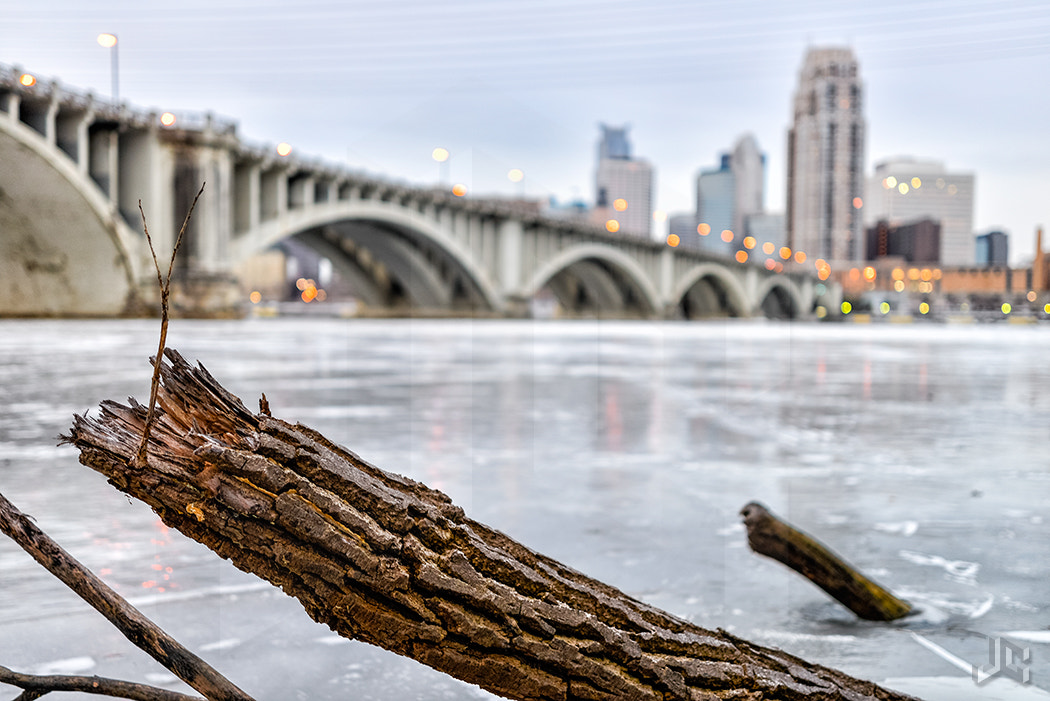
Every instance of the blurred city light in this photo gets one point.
(612, 226)
(620, 204)
(673, 240)
(459, 190)
(741, 256)
(703, 229)
(167, 119)
(284, 148)
(27, 80)
(727, 235)
(440, 154)
(107, 41)
(516, 175)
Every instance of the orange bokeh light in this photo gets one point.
(768, 248)
(673, 240)
(167, 119)
(770, 264)
(800, 257)
(703, 229)
(27, 80)
(284, 148)
(785, 252)
(749, 242)
(612, 226)
(857, 203)
(459, 189)
(727, 235)
(741, 256)
(620, 204)
(869, 273)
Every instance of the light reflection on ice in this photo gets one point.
(600, 444)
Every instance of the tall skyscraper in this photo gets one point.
(905, 190)
(623, 185)
(728, 196)
(825, 183)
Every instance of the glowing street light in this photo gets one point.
(27, 80)
(109, 41)
(441, 155)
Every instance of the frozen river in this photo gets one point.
(921, 453)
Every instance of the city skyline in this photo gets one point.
(525, 87)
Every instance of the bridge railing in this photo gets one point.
(11, 81)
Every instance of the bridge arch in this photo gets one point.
(413, 247)
(65, 248)
(780, 298)
(601, 269)
(711, 289)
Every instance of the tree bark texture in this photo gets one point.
(384, 559)
(768, 535)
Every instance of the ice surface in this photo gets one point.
(623, 449)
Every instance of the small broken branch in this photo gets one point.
(386, 560)
(35, 686)
(128, 620)
(165, 291)
(768, 535)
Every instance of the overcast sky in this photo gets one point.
(377, 85)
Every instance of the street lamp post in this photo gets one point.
(109, 41)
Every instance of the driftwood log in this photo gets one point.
(383, 559)
(768, 535)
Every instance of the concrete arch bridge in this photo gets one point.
(74, 169)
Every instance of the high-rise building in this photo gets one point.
(624, 185)
(728, 195)
(993, 249)
(826, 158)
(749, 175)
(715, 198)
(906, 190)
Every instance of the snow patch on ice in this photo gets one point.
(331, 640)
(1031, 636)
(227, 644)
(732, 529)
(955, 688)
(161, 679)
(936, 608)
(789, 637)
(905, 528)
(959, 570)
(70, 665)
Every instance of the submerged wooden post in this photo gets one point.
(383, 559)
(768, 535)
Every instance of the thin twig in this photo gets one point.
(165, 289)
(35, 686)
(127, 619)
